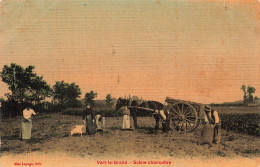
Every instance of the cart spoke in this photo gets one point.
(190, 113)
(179, 109)
(186, 111)
(190, 121)
(176, 112)
(190, 117)
(175, 117)
(182, 108)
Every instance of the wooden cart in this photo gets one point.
(185, 115)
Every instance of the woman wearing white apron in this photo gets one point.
(27, 123)
(100, 122)
(126, 118)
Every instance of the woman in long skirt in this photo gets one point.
(126, 119)
(89, 116)
(27, 123)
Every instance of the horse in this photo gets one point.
(154, 105)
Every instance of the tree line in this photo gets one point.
(29, 88)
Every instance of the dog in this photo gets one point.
(78, 129)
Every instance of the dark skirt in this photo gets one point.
(91, 126)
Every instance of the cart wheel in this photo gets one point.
(183, 116)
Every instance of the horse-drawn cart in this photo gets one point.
(185, 115)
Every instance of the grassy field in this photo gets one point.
(51, 133)
(237, 109)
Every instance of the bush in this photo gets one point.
(44, 107)
(10, 108)
(104, 113)
(47, 107)
(110, 113)
(242, 123)
(73, 111)
(116, 113)
(228, 104)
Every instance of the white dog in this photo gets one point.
(79, 129)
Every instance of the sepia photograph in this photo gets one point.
(130, 83)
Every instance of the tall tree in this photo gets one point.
(243, 87)
(109, 100)
(25, 85)
(66, 94)
(250, 91)
(89, 98)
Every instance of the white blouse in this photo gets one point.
(27, 114)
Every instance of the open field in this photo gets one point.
(237, 109)
(51, 133)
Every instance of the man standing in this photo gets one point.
(165, 116)
(212, 118)
(27, 122)
(89, 119)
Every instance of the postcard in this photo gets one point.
(130, 83)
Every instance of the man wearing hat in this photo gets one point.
(211, 117)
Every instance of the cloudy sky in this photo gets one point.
(201, 51)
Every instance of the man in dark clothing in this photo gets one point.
(89, 119)
(166, 123)
(165, 116)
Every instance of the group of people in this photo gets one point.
(211, 120)
(93, 122)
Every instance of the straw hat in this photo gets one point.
(207, 108)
